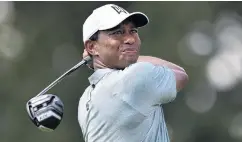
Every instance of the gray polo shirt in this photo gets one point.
(126, 105)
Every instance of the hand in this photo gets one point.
(85, 54)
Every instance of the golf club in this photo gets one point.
(46, 110)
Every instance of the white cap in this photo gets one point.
(109, 16)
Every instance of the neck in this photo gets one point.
(97, 64)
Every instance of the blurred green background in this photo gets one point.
(41, 40)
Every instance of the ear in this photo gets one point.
(90, 47)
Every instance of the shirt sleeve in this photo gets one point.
(144, 85)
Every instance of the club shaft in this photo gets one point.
(84, 61)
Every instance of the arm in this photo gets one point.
(145, 86)
(180, 74)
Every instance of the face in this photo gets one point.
(118, 47)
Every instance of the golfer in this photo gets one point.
(127, 91)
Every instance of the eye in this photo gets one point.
(117, 32)
(134, 31)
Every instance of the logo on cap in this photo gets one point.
(119, 9)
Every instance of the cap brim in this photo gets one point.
(138, 18)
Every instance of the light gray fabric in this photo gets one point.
(126, 105)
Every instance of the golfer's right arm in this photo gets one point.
(146, 83)
(144, 86)
(180, 74)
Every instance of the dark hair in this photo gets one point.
(94, 37)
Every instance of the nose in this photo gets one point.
(129, 39)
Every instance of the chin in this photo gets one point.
(125, 64)
(127, 61)
(130, 62)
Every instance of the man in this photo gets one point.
(124, 100)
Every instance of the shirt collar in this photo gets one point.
(98, 75)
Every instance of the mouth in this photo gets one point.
(130, 51)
